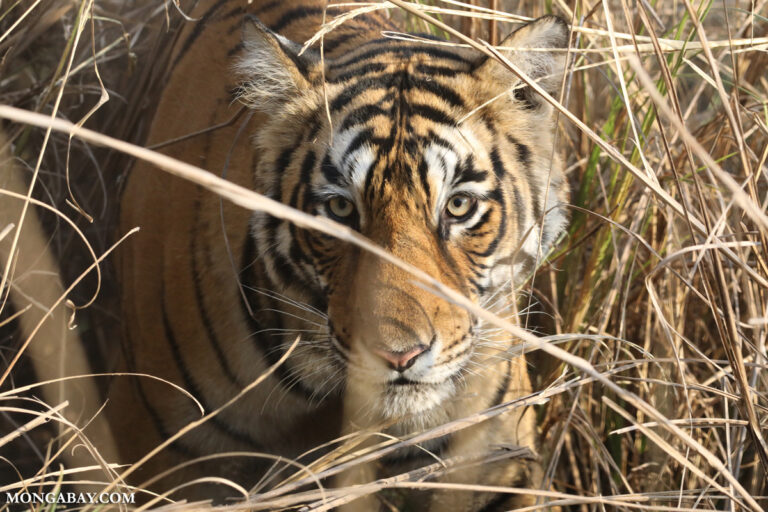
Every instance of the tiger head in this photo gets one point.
(436, 153)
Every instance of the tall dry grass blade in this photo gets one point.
(734, 355)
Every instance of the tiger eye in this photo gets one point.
(460, 205)
(341, 207)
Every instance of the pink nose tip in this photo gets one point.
(401, 361)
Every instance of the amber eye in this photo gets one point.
(460, 205)
(341, 207)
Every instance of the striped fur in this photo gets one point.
(213, 295)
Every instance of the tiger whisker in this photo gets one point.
(288, 300)
(286, 384)
(292, 315)
(297, 377)
(332, 388)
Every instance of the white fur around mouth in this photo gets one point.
(413, 397)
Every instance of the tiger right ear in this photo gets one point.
(538, 50)
(270, 67)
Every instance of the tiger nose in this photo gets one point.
(401, 361)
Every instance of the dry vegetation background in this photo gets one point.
(658, 292)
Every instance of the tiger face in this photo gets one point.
(419, 147)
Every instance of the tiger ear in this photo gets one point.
(270, 68)
(530, 49)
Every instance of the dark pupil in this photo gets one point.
(458, 202)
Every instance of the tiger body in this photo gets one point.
(213, 295)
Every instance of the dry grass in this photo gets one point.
(654, 304)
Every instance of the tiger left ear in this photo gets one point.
(535, 48)
(270, 68)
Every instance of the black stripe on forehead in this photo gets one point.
(431, 113)
(428, 84)
(366, 68)
(467, 172)
(390, 47)
(400, 80)
(331, 173)
(362, 115)
(433, 138)
(363, 137)
(342, 74)
(339, 172)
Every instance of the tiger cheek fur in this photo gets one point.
(417, 158)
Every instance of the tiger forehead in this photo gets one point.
(395, 100)
(394, 77)
(383, 55)
(397, 112)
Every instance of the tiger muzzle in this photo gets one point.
(392, 323)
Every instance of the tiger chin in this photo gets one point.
(436, 153)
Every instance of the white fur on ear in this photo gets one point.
(530, 48)
(268, 67)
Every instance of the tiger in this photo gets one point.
(435, 152)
